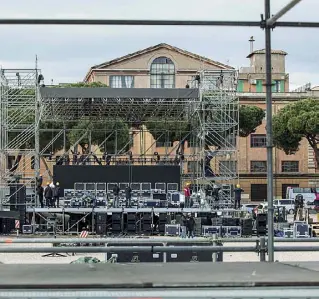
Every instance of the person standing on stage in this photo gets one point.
(39, 191)
(238, 191)
(56, 194)
(190, 226)
(48, 194)
(116, 192)
(187, 194)
(128, 196)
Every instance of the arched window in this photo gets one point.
(162, 73)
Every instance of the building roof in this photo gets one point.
(263, 51)
(154, 48)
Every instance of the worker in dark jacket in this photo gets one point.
(116, 193)
(48, 194)
(39, 181)
(56, 195)
(238, 191)
(190, 226)
(39, 191)
(128, 196)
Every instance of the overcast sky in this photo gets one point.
(66, 52)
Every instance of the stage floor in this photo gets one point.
(125, 210)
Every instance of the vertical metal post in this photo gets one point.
(90, 146)
(262, 248)
(215, 245)
(165, 254)
(270, 177)
(64, 138)
(37, 125)
(115, 142)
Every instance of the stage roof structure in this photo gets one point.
(131, 104)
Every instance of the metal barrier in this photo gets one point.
(156, 245)
(150, 240)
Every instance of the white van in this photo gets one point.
(307, 193)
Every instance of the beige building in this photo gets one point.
(165, 66)
(160, 66)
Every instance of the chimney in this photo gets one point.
(251, 40)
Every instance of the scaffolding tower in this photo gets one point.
(19, 118)
(216, 123)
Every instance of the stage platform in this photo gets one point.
(125, 210)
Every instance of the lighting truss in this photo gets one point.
(130, 105)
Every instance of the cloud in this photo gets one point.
(66, 52)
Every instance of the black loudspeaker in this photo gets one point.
(147, 222)
(116, 222)
(101, 224)
(101, 218)
(261, 224)
(246, 227)
(18, 196)
(162, 221)
(101, 229)
(131, 222)
(7, 225)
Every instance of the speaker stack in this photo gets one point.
(198, 226)
(18, 196)
(246, 226)
(261, 224)
(163, 220)
(131, 222)
(101, 224)
(147, 222)
(7, 225)
(116, 222)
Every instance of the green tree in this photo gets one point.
(293, 123)
(84, 84)
(250, 117)
(169, 131)
(48, 129)
(99, 131)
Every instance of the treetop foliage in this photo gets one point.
(85, 84)
(294, 122)
(250, 117)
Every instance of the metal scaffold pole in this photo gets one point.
(37, 124)
(270, 177)
(270, 22)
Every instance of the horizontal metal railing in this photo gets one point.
(151, 240)
(161, 245)
(153, 249)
